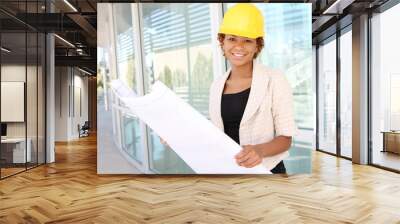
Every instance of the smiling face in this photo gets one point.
(239, 50)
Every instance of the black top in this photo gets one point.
(232, 109)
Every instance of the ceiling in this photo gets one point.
(76, 22)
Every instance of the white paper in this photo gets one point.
(205, 148)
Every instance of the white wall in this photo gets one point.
(14, 73)
(62, 81)
(71, 87)
(80, 110)
(33, 105)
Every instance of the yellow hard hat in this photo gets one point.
(243, 19)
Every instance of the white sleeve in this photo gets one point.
(282, 106)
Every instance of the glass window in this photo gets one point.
(346, 94)
(111, 156)
(41, 98)
(394, 101)
(178, 52)
(32, 88)
(327, 96)
(288, 49)
(23, 88)
(131, 136)
(124, 43)
(31, 98)
(176, 43)
(14, 151)
(126, 71)
(385, 85)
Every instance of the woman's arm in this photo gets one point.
(284, 125)
(278, 145)
(252, 155)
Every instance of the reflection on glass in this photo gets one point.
(14, 153)
(394, 101)
(164, 160)
(177, 44)
(31, 101)
(385, 85)
(41, 98)
(288, 48)
(346, 94)
(131, 137)
(129, 127)
(124, 44)
(22, 68)
(327, 96)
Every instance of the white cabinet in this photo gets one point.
(18, 149)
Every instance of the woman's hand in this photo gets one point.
(249, 156)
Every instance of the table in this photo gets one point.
(391, 141)
(18, 149)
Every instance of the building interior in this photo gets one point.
(58, 57)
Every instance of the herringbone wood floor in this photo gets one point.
(70, 191)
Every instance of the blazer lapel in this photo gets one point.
(258, 90)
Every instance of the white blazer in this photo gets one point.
(268, 113)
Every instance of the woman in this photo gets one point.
(251, 103)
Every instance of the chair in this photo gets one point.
(84, 130)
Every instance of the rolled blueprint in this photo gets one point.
(204, 147)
